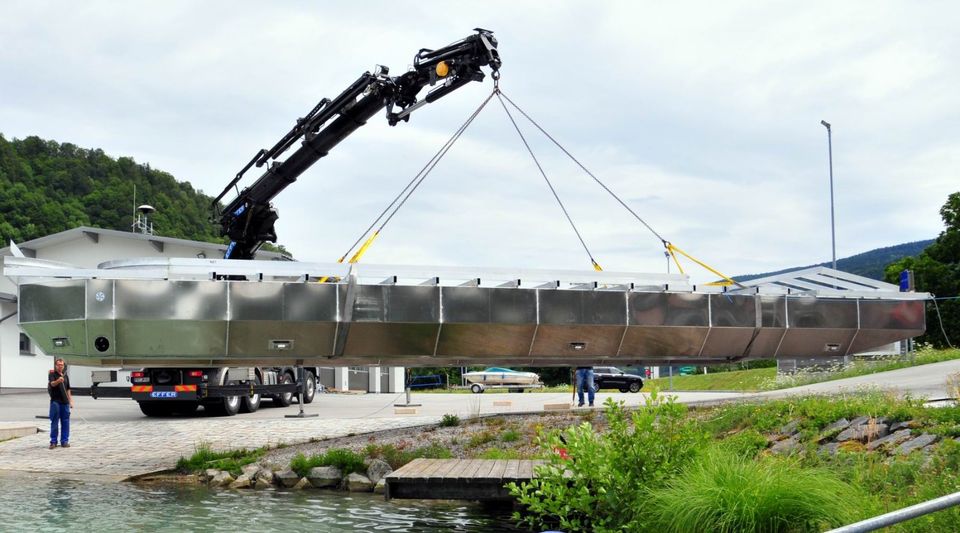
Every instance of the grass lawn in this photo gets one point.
(760, 379)
(738, 380)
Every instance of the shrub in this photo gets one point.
(345, 460)
(231, 461)
(397, 457)
(481, 438)
(510, 435)
(746, 443)
(496, 453)
(590, 478)
(449, 420)
(724, 492)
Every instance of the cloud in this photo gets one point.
(703, 118)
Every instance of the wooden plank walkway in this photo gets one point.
(458, 479)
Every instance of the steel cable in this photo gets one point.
(549, 184)
(585, 169)
(415, 182)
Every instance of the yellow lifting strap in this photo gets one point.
(356, 257)
(363, 249)
(596, 266)
(727, 281)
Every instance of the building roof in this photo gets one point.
(30, 247)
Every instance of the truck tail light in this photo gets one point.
(195, 373)
(136, 374)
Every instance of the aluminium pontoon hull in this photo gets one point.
(128, 314)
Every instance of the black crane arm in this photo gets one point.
(249, 218)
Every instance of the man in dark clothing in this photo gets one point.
(58, 387)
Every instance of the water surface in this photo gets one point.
(44, 504)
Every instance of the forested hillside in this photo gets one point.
(47, 187)
(868, 264)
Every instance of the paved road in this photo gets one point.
(927, 381)
(112, 438)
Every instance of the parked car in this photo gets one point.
(432, 381)
(611, 377)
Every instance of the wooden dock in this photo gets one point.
(457, 479)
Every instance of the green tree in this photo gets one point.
(47, 187)
(937, 270)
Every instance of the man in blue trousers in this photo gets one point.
(58, 387)
(584, 381)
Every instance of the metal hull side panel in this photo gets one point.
(73, 331)
(56, 300)
(485, 340)
(575, 340)
(165, 338)
(819, 342)
(871, 339)
(895, 315)
(391, 339)
(665, 342)
(481, 305)
(765, 345)
(581, 308)
(727, 342)
(668, 309)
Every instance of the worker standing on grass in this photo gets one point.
(61, 401)
(584, 381)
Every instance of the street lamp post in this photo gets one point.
(833, 233)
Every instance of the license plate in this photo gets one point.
(163, 394)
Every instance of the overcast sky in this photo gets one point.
(703, 117)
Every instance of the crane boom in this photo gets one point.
(249, 219)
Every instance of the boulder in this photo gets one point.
(863, 432)
(916, 443)
(377, 469)
(790, 429)
(359, 483)
(325, 476)
(242, 482)
(380, 487)
(834, 428)
(304, 483)
(830, 448)
(897, 426)
(892, 439)
(250, 470)
(264, 479)
(287, 478)
(222, 479)
(786, 446)
(207, 475)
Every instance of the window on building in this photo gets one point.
(26, 347)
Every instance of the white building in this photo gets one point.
(24, 366)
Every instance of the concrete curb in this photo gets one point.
(12, 432)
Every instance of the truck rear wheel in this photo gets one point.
(310, 387)
(285, 399)
(226, 406)
(150, 408)
(251, 403)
